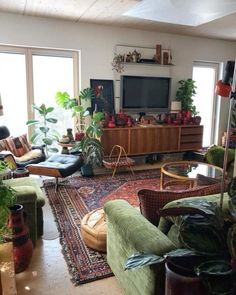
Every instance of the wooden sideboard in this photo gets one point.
(153, 139)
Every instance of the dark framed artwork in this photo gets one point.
(104, 95)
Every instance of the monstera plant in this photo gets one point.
(79, 111)
(205, 235)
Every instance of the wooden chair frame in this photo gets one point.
(118, 160)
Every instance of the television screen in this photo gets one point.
(145, 93)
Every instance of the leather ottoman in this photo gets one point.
(94, 230)
(57, 165)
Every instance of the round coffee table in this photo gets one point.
(187, 171)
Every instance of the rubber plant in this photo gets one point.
(185, 94)
(43, 132)
(203, 234)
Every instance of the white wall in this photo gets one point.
(97, 44)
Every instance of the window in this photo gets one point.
(32, 76)
(205, 75)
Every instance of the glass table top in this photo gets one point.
(190, 169)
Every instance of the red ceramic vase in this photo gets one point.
(22, 244)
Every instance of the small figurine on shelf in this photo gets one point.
(112, 123)
(136, 56)
(129, 57)
(70, 134)
(129, 122)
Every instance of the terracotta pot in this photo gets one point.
(22, 244)
(180, 283)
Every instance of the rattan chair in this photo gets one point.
(118, 158)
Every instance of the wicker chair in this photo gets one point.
(151, 201)
(118, 158)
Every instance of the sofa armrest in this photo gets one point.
(129, 232)
(25, 194)
(135, 229)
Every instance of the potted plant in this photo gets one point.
(207, 239)
(185, 94)
(5, 170)
(118, 63)
(79, 112)
(7, 199)
(92, 154)
(43, 133)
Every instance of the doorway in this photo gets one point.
(205, 75)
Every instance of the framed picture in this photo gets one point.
(165, 57)
(104, 95)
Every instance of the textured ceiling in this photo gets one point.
(217, 18)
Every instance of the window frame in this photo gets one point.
(29, 52)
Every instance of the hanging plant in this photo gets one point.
(117, 63)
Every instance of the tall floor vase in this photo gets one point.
(22, 244)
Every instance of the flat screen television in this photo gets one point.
(145, 94)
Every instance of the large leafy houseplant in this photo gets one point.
(89, 146)
(7, 199)
(91, 151)
(43, 132)
(203, 234)
(79, 111)
(185, 94)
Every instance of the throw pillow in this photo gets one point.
(2, 145)
(18, 145)
(33, 154)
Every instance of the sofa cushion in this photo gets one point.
(3, 146)
(18, 145)
(33, 154)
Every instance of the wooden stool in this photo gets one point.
(94, 230)
(121, 160)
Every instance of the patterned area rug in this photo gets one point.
(77, 196)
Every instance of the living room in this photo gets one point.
(95, 45)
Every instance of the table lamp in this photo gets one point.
(175, 106)
(226, 88)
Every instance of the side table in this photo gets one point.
(187, 171)
(20, 172)
(66, 146)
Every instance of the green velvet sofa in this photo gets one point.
(129, 232)
(30, 195)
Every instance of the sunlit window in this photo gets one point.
(205, 77)
(13, 92)
(52, 74)
(33, 76)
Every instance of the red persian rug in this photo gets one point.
(77, 196)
